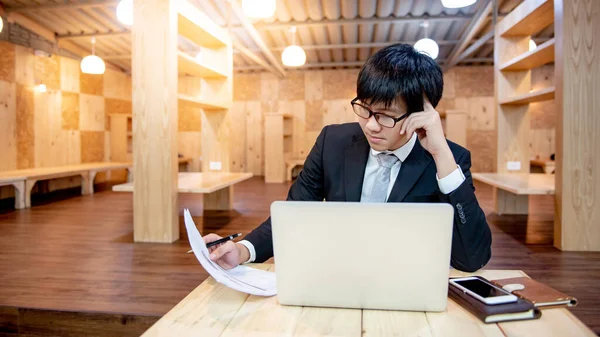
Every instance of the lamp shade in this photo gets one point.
(259, 9)
(532, 45)
(125, 12)
(92, 64)
(457, 3)
(42, 87)
(428, 46)
(293, 56)
(1, 24)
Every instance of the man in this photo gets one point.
(397, 152)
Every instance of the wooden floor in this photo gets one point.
(70, 267)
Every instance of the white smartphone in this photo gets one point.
(483, 290)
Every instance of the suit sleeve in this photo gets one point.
(471, 237)
(307, 187)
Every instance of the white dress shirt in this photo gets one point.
(447, 184)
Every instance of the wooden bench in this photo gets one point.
(25, 179)
(217, 187)
(290, 164)
(547, 166)
(513, 189)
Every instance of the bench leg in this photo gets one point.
(19, 195)
(29, 183)
(510, 203)
(221, 200)
(87, 182)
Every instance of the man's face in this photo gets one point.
(383, 138)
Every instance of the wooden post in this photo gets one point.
(154, 77)
(577, 79)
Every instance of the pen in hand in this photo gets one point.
(225, 239)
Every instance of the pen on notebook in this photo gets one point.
(225, 239)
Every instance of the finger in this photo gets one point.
(222, 250)
(406, 122)
(427, 105)
(415, 123)
(210, 238)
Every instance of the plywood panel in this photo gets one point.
(48, 128)
(313, 85)
(543, 115)
(339, 84)
(70, 145)
(269, 92)
(274, 160)
(446, 104)
(292, 86)
(70, 111)
(482, 115)
(47, 71)
(247, 87)
(216, 137)
(474, 81)
(117, 85)
(8, 125)
(92, 146)
(25, 66)
(338, 112)
(91, 84)
(310, 140)
(314, 115)
(91, 113)
(189, 117)
(69, 74)
(115, 106)
(190, 145)
(542, 143)
(237, 151)
(299, 129)
(450, 83)
(7, 61)
(25, 127)
(254, 139)
(482, 144)
(542, 77)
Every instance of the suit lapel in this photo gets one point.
(354, 167)
(410, 172)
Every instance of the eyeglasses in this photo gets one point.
(381, 118)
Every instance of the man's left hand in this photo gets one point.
(428, 126)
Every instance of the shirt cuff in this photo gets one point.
(251, 249)
(451, 182)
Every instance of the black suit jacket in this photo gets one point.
(334, 170)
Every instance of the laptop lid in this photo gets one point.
(362, 255)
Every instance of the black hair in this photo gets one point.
(399, 72)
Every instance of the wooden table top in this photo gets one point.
(49, 171)
(519, 183)
(215, 310)
(199, 182)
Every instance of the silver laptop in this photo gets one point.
(392, 256)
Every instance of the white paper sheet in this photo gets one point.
(241, 278)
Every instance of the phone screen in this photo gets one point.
(481, 288)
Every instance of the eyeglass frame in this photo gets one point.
(372, 113)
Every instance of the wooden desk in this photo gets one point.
(87, 172)
(217, 187)
(214, 310)
(512, 190)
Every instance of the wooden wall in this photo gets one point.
(321, 97)
(68, 124)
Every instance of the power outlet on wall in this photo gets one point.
(513, 166)
(215, 165)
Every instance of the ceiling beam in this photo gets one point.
(342, 21)
(353, 64)
(76, 5)
(480, 18)
(89, 35)
(253, 57)
(255, 36)
(476, 45)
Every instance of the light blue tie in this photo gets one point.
(382, 179)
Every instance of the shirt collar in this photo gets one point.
(401, 152)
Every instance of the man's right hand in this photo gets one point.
(228, 255)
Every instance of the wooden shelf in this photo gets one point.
(202, 103)
(543, 54)
(535, 96)
(188, 65)
(199, 28)
(528, 18)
